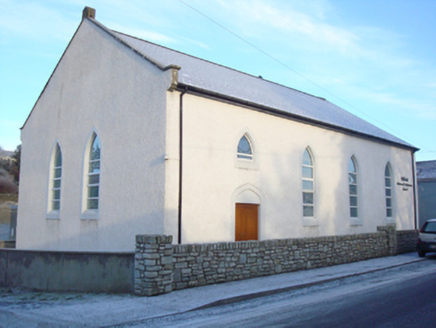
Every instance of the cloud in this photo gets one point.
(36, 22)
(312, 27)
(259, 18)
(364, 60)
(196, 43)
(394, 103)
(142, 34)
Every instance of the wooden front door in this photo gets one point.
(246, 218)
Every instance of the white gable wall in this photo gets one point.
(213, 179)
(99, 85)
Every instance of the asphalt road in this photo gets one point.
(411, 303)
(400, 297)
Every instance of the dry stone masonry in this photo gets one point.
(153, 265)
(197, 265)
(406, 241)
(161, 267)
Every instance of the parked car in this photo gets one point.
(427, 238)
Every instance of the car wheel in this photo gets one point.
(421, 253)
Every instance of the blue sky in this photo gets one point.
(374, 58)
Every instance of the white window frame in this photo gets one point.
(244, 160)
(55, 183)
(242, 155)
(310, 180)
(87, 212)
(308, 221)
(389, 193)
(354, 184)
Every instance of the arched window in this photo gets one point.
(245, 150)
(352, 178)
(93, 183)
(308, 184)
(388, 190)
(56, 179)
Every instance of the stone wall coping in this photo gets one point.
(161, 267)
(154, 239)
(183, 248)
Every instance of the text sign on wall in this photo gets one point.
(404, 183)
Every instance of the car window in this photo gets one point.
(430, 227)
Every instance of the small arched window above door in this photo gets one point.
(245, 149)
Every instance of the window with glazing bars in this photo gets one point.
(57, 179)
(93, 184)
(308, 185)
(388, 191)
(353, 183)
(244, 149)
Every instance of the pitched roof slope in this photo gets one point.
(426, 170)
(230, 83)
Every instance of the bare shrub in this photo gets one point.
(7, 184)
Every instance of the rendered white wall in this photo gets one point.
(212, 177)
(102, 86)
(172, 161)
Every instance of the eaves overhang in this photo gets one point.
(208, 89)
(181, 87)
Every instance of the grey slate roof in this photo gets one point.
(426, 170)
(230, 83)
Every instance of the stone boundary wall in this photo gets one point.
(406, 241)
(198, 265)
(391, 237)
(159, 267)
(195, 265)
(94, 272)
(153, 265)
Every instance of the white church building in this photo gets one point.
(129, 137)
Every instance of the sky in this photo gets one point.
(374, 58)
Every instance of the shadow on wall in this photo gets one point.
(95, 235)
(283, 220)
(67, 271)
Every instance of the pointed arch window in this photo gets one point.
(353, 188)
(93, 179)
(245, 149)
(56, 180)
(308, 184)
(388, 190)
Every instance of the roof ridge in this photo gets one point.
(134, 43)
(283, 98)
(217, 64)
(111, 32)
